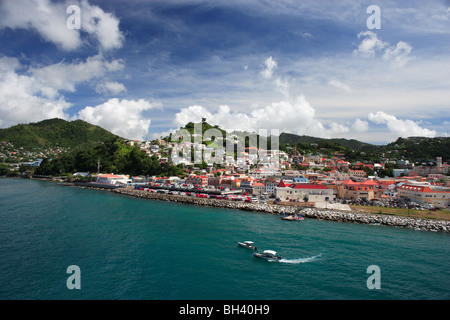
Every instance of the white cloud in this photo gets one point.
(65, 76)
(398, 54)
(121, 117)
(20, 98)
(49, 20)
(29, 94)
(282, 86)
(110, 87)
(270, 65)
(369, 44)
(400, 128)
(360, 125)
(297, 116)
(44, 17)
(102, 25)
(340, 85)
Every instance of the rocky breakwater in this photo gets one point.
(378, 219)
(239, 205)
(312, 213)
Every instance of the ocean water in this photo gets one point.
(129, 248)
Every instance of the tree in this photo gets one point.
(3, 170)
(204, 165)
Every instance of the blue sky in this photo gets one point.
(143, 68)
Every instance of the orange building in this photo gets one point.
(357, 190)
(197, 180)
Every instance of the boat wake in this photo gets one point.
(300, 260)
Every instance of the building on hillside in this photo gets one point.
(338, 176)
(301, 179)
(291, 173)
(271, 184)
(358, 175)
(247, 185)
(259, 188)
(264, 172)
(295, 156)
(400, 172)
(342, 165)
(439, 168)
(425, 193)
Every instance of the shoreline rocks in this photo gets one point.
(311, 213)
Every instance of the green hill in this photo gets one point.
(293, 139)
(419, 149)
(55, 132)
(416, 149)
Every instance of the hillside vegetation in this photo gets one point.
(55, 133)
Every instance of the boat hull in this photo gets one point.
(292, 218)
(263, 256)
(247, 246)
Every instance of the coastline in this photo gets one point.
(311, 213)
(420, 224)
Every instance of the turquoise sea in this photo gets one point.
(129, 248)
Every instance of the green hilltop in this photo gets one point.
(55, 133)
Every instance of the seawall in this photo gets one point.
(311, 213)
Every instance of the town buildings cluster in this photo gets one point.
(17, 156)
(274, 173)
(280, 175)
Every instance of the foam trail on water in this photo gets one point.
(300, 260)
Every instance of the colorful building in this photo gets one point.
(425, 193)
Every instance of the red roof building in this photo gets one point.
(197, 180)
(425, 194)
(302, 191)
(357, 190)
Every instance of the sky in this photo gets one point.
(142, 69)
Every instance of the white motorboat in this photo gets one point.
(247, 244)
(268, 255)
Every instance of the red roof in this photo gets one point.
(109, 176)
(370, 183)
(282, 184)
